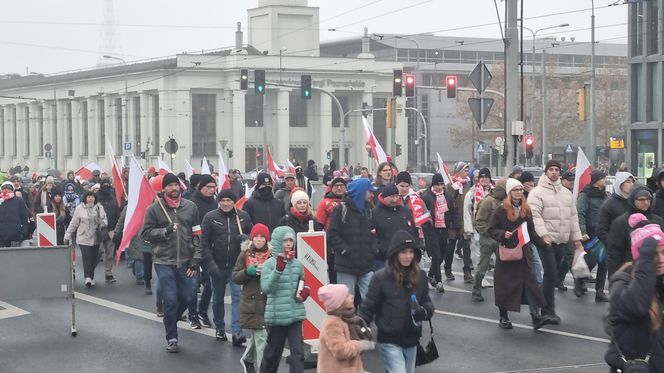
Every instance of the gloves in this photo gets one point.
(170, 228)
(66, 241)
(649, 246)
(194, 265)
(419, 314)
(251, 271)
(367, 345)
(304, 293)
(281, 263)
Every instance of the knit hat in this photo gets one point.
(289, 175)
(338, 180)
(644, 228)
(50, 180)
(289, 236)
(569, 175)
(552, 163)
(299, 195)
(437, 179)
(333, 296)
(169, 178)
(484, 172)
(526, 176)
(517, 170)
(460, 166)
(511, 184)
(263, 179)
(95, 173)
(404, 177)
(261, 229)
(226, 193)
(389, 190)
(641, 192)
(205, 180)
(7, 184)
(596, 175)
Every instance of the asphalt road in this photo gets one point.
(118, 332)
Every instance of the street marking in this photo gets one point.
(11, 311)
(551, 369)
(528, 327)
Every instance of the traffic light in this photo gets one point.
(259, 82)
(529, 141)
(230, 154)
(451, 86)
(398, 152)
(258, 154)
(329, 154)
(305, 86)
(410, 85)
(396, 88)
(244, 79)
(581, 103)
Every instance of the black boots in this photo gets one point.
(467, 276)
(539, 320)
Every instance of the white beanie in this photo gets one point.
(298, 195)
(511, 184)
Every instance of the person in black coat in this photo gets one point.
(262, 207)
(637, 295)
(62, 215)
(13, 216)
(311, 172)
(615, 206)
(398, 300)
(106, 198)
(618, 249)
(659, 195)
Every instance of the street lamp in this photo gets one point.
(544, 109)
(281, 51)
(126, 108)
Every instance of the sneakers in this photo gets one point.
(88, 282)
(449, 276)
(238, 340)
(172, 346)
(539, 320)
(160, 310)
(110, 279)
(477, 296)
(553, 319)
(247, 366)
(194, 323)
(505, 323)
(486, 284)
(561, 287)
(459, 255)
(220, 335)
(205, 320)
(440, 288)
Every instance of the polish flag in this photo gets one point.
(442, 168)
(272, 166)
(164, 169)
(377, 150)
(224, 181)
(118, 182)
(85, 172)
(248, 192)
(139, 198)
(522, 234)
(582, 173)
(188, 170)
(205, 168)
(291, 168)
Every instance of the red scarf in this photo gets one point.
(440, 209)
(6, 195)
(173, 203)
(257, 257)
(480, 193)
(458, 182)
(303, 217)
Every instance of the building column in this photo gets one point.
(11, 125)
(77, 133)
(146, 122)
(324, 137)
(60, 136)
(22, 121)
(282, 147)
(239, 139)
(93, 129)
(34, 135)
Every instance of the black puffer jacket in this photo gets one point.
(619, 249)
(264, 209)
(349, 236)
(387, 220)
(629, 316)
(610, 210)
(204, 204)
(389, 303)
(221, 237)
(106, 198)
(13, 220)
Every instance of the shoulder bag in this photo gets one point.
(510, 254)
(102, 233)
(429, 353)
(634, 365)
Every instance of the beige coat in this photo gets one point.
(85, 222)
(337, 352)
(554, 211)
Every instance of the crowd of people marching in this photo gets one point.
(203, 239)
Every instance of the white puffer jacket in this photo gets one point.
(554, 211)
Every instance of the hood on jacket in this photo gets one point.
(357, 191)
(632, 197)
(258, 195)
(401, 240)
(620, 178)
(277, 241)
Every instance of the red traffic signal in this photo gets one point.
(451, 86)
(530, 141)
(410, 85)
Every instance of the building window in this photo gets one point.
(40, 131)
(137, 125)
(15, 132)
(118, 124)
(335, 111)
(101, 121)
(638, 101)
(84, 127)
(155, 124)
(26, 129)
(644, 152)
(654, 83)
(637, 28)
(298, 156)
(203, 121)
(653, 27)
(297, 109)
(253, 110)
(69, 129)
(253, 158)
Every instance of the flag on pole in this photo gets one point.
(522, 234)
(139, 198)
(272, 166)
(118, 182)
(582, 173)
(248, 192)
(377, 150)
(224, 181)
(442, 169)
(188, 170)
(85, 172)
(205, 168)
(291, 168)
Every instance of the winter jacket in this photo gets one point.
(106, 198)
(349, 236)
(487, 208)
(659, 203)
(610, 210)
(181, 247)
(42, 200)
(298, 225)
(457, 206)
(337, 352)
(629, 317)
(61, 222)
(554, 211)
(264, 209)
(429, 198)
(280, 287)
(389, 303)
(85, 223)
(252, 297)
(619, 249)
(283, 194)
(587, 206)
(204, 204)
(238, 188)
(386, 221)
(311, 174)
(221, 237)
(13, 220)
(325, 208)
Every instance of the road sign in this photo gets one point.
(499, 141)
(171, 146)
(569, 148)
(481, 148)
(127, 146)
(48, 155)
(48, 147)
(480, 108)
(46, 230)
(480, 77)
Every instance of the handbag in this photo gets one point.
(101, 233)
(634, 365)
(427, 354)
(510, 254)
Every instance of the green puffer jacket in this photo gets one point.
(282, 308)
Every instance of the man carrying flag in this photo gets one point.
(171, 227)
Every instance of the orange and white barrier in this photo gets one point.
(312, 252)
(46, 230)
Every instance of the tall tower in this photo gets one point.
(108, 43)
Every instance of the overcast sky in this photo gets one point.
(53, 36)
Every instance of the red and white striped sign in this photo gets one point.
(46, 230)
(312, 252)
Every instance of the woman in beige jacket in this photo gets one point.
(88, 218)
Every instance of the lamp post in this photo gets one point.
(281, 51)
(126, 108)
(591, 127)
(544, 109)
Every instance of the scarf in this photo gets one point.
(356, 325)
(173, 203)
(256, 256)
(6, 195)
(480, 193)
(440, 209)
(302, 217)
(458, 182)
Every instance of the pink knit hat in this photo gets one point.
(640, 234)
(333, 296)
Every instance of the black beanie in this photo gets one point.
(194, 179)
(168, 179)
(596, 175)
(404, 177)
(263, 179)
(552, 163)
(437, 179)
(205, 180)
(526, 176)
(389, 190)
(485, 172)
(226, 193)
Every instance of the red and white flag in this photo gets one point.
(118, 182)
(205, 168)
(522, 234)
(442, 169)
(224, 181)
(582, 173)
(378, 153)
(188, 170)
(272, 166)
(140, 196)
(291, 168)
(164, 169)
(85, 172)
(247, 193)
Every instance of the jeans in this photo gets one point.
(206, 295)
(147, 267)
(90, 256)
(398, 359)
(487, 248)
(351, 281)
(464, 245)
(438, 251)
(177, 290)
(551, 256)
(276, 338)
(256, 341)
(537, 262)
(138, 270)
(219, 283)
